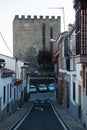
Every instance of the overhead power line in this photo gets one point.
(5, 43)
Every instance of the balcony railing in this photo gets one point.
(81, 32)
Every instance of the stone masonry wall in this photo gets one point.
(29, 35)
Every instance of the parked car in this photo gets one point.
(51, 87)
(33, 89)
(42, 88)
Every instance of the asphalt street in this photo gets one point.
(37, 105)
(41, 117)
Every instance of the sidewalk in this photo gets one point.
(69, 122)
(12, 120)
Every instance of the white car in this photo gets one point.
(42, 88)
(33, 89)
(51, 87)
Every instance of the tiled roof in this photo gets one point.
(17, 81)
(7, 72)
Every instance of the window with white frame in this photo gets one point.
(74, 91)
(86, 83)
(10, 90)
(4, 94)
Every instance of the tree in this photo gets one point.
(45, 58)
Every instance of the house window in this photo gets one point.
(10, 90)
(74, 91)
(20, 88)
(51, 37)
(4, 94)
(86, 83)
(8, 95)
(14, 94)
(44, 36)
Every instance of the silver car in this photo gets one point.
(33, 89)
(51, 87)
(42, 88)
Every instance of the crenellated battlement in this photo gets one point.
(32, 33)
(29, 17)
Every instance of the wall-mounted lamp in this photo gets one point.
(2, 63)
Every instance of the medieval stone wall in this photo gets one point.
(33, 34)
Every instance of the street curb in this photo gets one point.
(27, 111)
(58, 115)
(68, 121)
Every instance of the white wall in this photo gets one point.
(5, 82)
(10, 62)
(78, 81)
(13, 65)
(84, 112)
(72, 77)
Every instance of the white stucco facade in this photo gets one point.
(7, 83)
(13, 64)
(78, 83)
(84, 112)
(13, 87)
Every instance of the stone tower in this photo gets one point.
(33, 34)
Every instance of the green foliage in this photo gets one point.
(45, 58)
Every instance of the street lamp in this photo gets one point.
(52, 40)
(61, 8)
(2, 63)
(51, 45)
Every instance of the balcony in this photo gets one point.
(75, 2)
(81, 59)
(7, 73)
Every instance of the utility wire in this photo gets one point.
(9, 51)
(5, 43)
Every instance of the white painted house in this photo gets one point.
(19, 80)
(6, 91)
(84, 98)
(69, 74)
(76, 85)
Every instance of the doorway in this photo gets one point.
(79, 102)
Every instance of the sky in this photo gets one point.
(10, 8)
